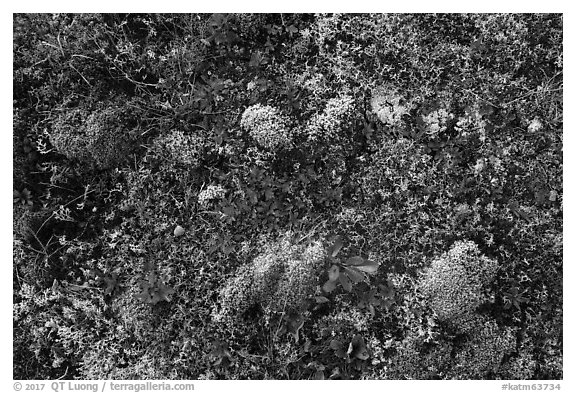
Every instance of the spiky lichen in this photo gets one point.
(327, 125)
(520, 367)
(237, 295)
(181, 148)
(101, 138)
(484, 350)
(298, 282)
(267, 126)
(280, 280)
(415, 360)
(389, 106)
(209, 194)
(437, 120)
(455, 282)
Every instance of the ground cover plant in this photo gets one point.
(287, 196)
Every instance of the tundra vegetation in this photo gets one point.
(287, 196)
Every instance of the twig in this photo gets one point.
(480, 98)
(65, 373)
(79, 73)
(531, 93)
(312, 231)
(73, 200)
(60, 44)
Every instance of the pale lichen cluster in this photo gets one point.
(100, 138)
(437, 121)
(455, 282)
(326, 125)
(210, 194)
(180, 148)
(267, 126)
(389, 106)
(280, 280)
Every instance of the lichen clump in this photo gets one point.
(180, 148)
(437, 121)
(389, 106)
(455, 281)
(101, 138)
(326, 125)
(281, 279)
(484, 350)
(210, 194)
(267, 126)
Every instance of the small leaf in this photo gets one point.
(355, 261)
(293, 325)
(319, 374)
(354, 274)
(335, 248)
(329, 286)
(333, 273)
(346, 283)
(179, 231)
(553, 196)
(336, 374)
(368, 267)
(358, 349)
(255, 59)
(307, 345)
(335, 344)
(111, 283)
(321, 299)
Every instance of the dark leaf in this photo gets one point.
(256, 59)
(346, 283)
(335, 344)
(293, 325)
(354, 274)
(292, 29)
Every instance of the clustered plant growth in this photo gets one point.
(293, 196)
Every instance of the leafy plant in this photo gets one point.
(346, 272)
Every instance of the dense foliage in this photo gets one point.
(343, 196)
